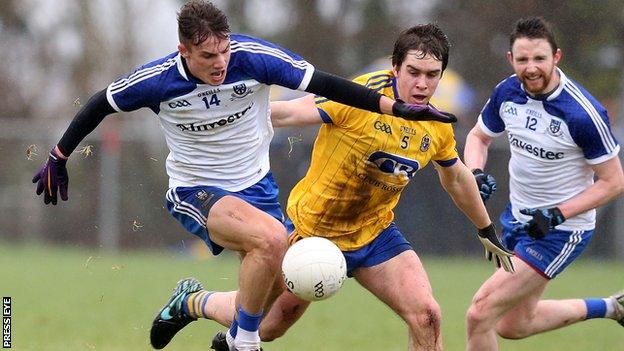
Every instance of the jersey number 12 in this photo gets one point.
(531, 123)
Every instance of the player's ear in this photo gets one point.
(395, 70)
(183, 50)
(510, 57)
(557, 56)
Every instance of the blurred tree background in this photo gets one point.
(58, 53)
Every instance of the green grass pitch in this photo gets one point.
(71, 299)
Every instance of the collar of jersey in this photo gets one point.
(395, 91)
(184, 71)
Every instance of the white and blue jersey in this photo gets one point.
(217, 135)
(553, 141)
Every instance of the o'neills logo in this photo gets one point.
(195, 127)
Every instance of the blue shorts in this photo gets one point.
(549, 255)
(388, 244)
(191, 205)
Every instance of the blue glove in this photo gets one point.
(542, 222)
(52, 178)
(413, 112)
(485, 182)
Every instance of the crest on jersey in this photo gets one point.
(425, 142)
(555, 126)
(240, 91)
(393, 164)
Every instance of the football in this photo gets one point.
(314, 269)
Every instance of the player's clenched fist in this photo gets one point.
(485, 182)
(52, 178)
(542, 222)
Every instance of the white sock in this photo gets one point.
(247, 340)
(609, 301)
(230, 341)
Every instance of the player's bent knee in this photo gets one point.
(512, 331)
(475, 317)
(480, 312)
(429, 317)
(272, 241)
(278, 241)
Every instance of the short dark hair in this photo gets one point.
(198, 20)
(426, 38)
(533, 28)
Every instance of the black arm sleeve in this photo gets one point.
(85, 121)
(344, 91)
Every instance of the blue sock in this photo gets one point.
(233, 328)
(596, 308)
(247, 321)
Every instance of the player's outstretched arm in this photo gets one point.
(297, 112)
(349, 93)
(460, 184)
(52, 178)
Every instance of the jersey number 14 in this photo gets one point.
(214, 100)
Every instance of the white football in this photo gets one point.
(314, 269)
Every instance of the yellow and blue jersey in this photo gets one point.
(361, 162)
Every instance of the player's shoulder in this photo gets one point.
(169, 58)
(150, 84)
(152, 74)
(154, 70)
(247, 44)
(376, 80)
(576, 103)
(249, 50)
(510, 84)
(577, 95)
(509, 89)
(159, 65)
(245, 38)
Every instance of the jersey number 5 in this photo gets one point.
(405, 142)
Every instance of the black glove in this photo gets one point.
(542, 222)
(413, 112)
(485, 182)
(52, 178)
(495, 249)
